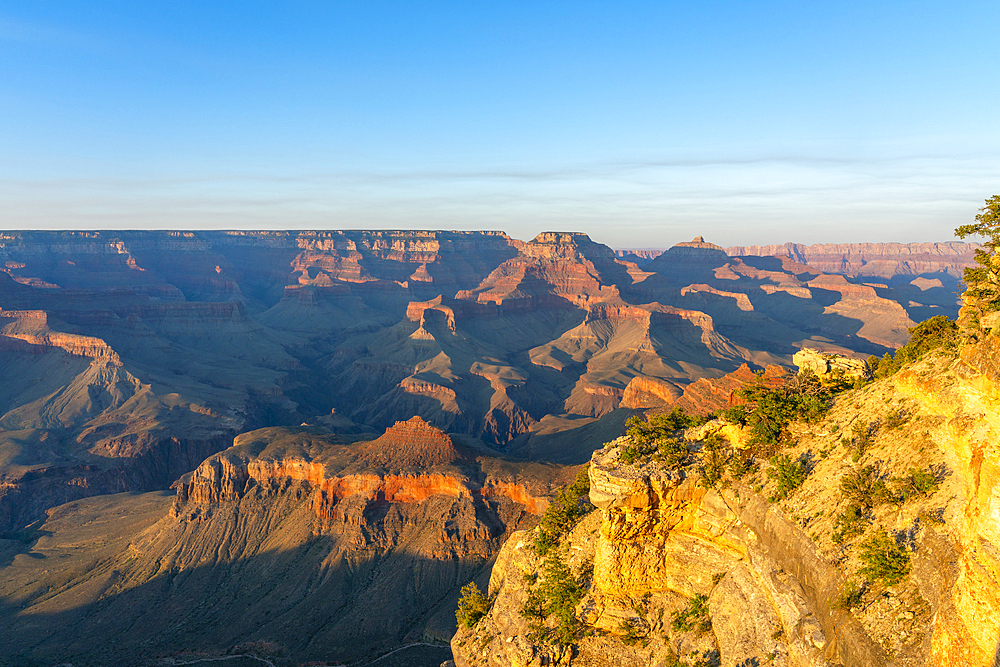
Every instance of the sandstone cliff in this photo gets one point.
(773, 569)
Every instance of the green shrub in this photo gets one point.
(849, 523)
(864, 487)
(472, 606)
(863, 435)
(630, 633)
(630, 454)
(788, 473)
(740, 465)
(557, 593)
(715, 455)
(935, 333)
(767, 411)
(672, 660)
(896, 419)
(884, 559)
(658, 426)
(672, 452)
(655, 437)
(916, 483)
(563, 512)
(695, 617)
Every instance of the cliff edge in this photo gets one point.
(870, 536)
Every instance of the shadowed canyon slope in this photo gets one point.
(252, 372)
(130, 356)
(310, 545)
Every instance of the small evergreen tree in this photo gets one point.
(555, 593)
(884, 559)
(472, 606)
(566, 508)
(788, 473)
(983, 281)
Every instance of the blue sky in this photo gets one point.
(642, 124)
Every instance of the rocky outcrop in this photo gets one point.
(646, 392)
(664, 532)
(967, 401)
(873, 259)
(822, 364)
(772, 570)
(664, 538)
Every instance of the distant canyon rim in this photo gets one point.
(288, 424)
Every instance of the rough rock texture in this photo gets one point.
(824, 364)
(773, 568)
(288, 545)
(662, 539)
(967, 630)
(411, 444)
(701, 396)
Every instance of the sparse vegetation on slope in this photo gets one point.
(695, 617)
(885, 560)
(864, 506)
(788, 473)
(767, 411)
(916, 483)
(472, 606)
(566, 508)
(554, 594)
(936, 333)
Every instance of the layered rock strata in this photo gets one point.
(701, 397)
(773, 570)
(821, 364)
(873, 259)
(128, 347)
(312, 548)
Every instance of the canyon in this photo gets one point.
(226, 442)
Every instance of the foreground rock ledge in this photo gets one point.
(658, 538)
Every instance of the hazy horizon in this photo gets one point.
(746, 124)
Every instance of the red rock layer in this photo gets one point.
(701, 396)
(411, 444)
(341, 501)
(31, 327)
